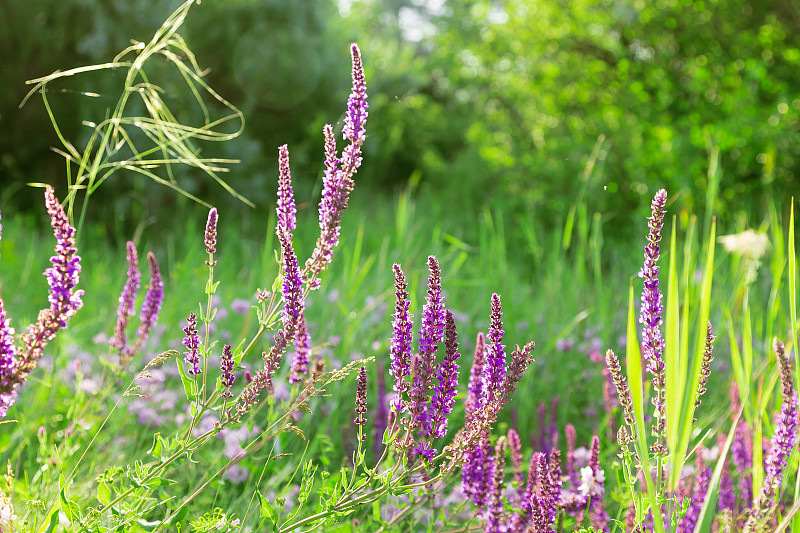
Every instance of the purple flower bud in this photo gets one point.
(126, 300)
(226, 365)
(192, 343)
(211, 236)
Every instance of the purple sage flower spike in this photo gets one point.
(727, 494)
(192, 343)
(430, 334)
(8, 361)
(361, 401)
(126, 300)
(475, 390)
(782, 443)
(210, 236)
(152, 302)
(337, 183)
(291, 287)
(515, 451)
(226, 365)
(699, 487)
(65, 301)
(493, 512)
(495, 366)
(572, 473)
(302, 343)
(651, 318)
(444, 395)
(400, 351)
(596, 488)
(621, 384)
(286, 210)
(521, 358)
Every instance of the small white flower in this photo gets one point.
(747, 243)
(591, 484)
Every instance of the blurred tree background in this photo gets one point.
(472, 102)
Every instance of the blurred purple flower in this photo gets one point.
(126, 300)
(240, 306)
(302, 342)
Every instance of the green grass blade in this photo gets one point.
(672, 356)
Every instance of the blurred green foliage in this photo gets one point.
(477, 101)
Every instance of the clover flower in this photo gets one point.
(226, 365)
(126, 299)
(210, 236)
(447, 375)
(650, 316)
(400, 351)
(192, 343)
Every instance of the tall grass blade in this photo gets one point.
(672, 356)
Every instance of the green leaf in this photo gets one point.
(103, 493)
(189, 386)
(267, 510)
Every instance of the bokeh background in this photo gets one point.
(472, 103)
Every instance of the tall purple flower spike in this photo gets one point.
(226, 366)
(337, 182)
(495, 366)
(430, 334)
(493, 513)
(192, 343)
(8, 360)
(444, 395)
(361, 400)
(402, 338)
(291, 287)
(650, 317)
(210, 236)
(475, 390)
(782, 443)
(152, 301)
(126, 299)
(64, 299)
(286, 210)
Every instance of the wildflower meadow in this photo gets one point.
(364, 367)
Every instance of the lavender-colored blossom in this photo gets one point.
(126, 299)
(741, 450)
(698, 496)
(515, 452)
(192, 343)
(572, 472)
(226, 365)
(554, 483)
(475, 390)
(782, 443)
(552, 428)
(493, 511)
(400, 351)
(8, 354)
(302, 343)
(444, 395)
(597, 508)
(291, 286)
(286, 210)
(152, 301)
(727, 496)
(540, 520)
(337, 182)
(495, 367)
(65, 301)
(210, 236)
(361, 400)
(650, 316)
(477, 472)
(430, 334)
